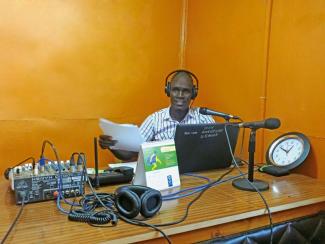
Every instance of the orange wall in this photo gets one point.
(262, 59)
(226, 48)
(296, 80)
(64, 64)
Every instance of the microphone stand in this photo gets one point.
(243, 183)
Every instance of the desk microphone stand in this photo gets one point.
(243, 183)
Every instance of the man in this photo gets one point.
(161, 125)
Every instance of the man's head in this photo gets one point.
(181, 91)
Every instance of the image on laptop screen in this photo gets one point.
(202, 147)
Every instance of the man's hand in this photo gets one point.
(105, 142)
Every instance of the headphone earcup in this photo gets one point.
(194, 92)
(151, 201)
(127, 202)
(135, 199)
(167, 89)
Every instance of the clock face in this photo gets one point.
(288, 150)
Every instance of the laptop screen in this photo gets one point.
(204, 146)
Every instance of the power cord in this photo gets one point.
(140, 223)
(22, 195)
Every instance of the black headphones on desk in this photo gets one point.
(134, 199)
(195, 88)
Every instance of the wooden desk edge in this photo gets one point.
(214, 222)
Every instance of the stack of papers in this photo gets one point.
(128, 136)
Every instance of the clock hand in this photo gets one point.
(290, 148)
(284, 150)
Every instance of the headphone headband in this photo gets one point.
(186, 71)
(195, 86)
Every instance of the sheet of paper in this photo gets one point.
(128, 136)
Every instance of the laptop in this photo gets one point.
(202, 147)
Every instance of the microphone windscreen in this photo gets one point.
(272, 123)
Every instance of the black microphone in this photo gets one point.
(206, 111)
(270, 123)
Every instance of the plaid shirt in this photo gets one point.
(160, 126)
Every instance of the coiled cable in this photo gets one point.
(98, 218)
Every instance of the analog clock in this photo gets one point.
(288, 150)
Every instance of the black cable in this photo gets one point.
(15, 221)
(210, 184)
(81, 215)
(92, 217)
(129, 221)
(25, 160)
(60, 183)
(59, 164)
(89, 216)
(140, 223)
(98, 219)
(90, 200)
(191, 203)
(7, 171)
(85, 215)
(259, 193)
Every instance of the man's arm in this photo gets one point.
(125, 155)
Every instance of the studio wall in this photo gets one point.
(261, 59)
(296, 78)
(226, 48)
(64, 64)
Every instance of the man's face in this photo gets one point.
(181, 93)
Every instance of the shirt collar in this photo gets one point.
(189, 115)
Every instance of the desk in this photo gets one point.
(222, 210)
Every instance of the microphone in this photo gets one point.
(206, 111)
(270, 123)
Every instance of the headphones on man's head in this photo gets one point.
(195, 87)
(134, 199)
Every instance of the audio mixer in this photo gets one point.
(43, 181)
